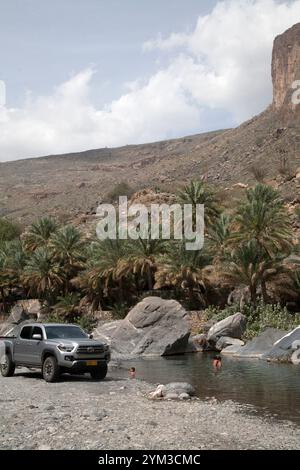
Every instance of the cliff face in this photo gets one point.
(285, 71)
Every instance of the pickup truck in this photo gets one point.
(54, 348)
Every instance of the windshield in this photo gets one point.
(67, 332)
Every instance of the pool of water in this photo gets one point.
(270, 388)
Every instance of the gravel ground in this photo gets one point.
(78, 413)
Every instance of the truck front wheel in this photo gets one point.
(51, 370)
(99, 373)
(7, 366)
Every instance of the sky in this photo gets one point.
(83, 74)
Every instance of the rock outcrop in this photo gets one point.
(285, 72)
(23, 310)
(154, 327)
(232, 326)
(285, 348)
(258, 346)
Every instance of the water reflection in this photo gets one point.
(271, 388)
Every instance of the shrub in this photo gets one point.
(258, 172)
(120, 310)
(259, 141)
(284, 167)
(216, 313)
(258, 318)
(120, 189)
(8, 230)
(268, 316)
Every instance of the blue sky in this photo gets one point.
(44, 42)
(83, 74)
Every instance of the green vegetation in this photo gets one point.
(120, 189)
(259, 317)
(248, 248)
(8, 230)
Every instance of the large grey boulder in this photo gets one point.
(197, 343)
(154, 327)
(23, 310)
(225, 341)
(17, 315)
(285, 349)
(258, 346)
(232, 326)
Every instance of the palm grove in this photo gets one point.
(250, 247)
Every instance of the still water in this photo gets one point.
(270, 388)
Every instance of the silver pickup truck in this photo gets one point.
(54, 348)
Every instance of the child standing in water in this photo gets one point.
(132, 372)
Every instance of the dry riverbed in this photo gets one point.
(78, 413)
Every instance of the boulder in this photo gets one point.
(260, 345)
(33, 308)
(285, 348)
(17, 315)
(154, 327)
(173, 391)
(184, 396)
(208, 325)
(225, 341)
(23, 310)
(179, 387)
(232, 326)
(197, 343)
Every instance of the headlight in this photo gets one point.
(65, 348)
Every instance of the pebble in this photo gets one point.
(118, 415)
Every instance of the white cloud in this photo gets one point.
(221, 68)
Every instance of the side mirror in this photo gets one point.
(37, 337)
(91, 336)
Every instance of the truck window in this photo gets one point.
(25, 333)
(36, 330)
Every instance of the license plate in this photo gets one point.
(91, 363)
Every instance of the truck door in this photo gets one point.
(36, 345)
(22, 346)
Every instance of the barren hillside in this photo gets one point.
(70, 186)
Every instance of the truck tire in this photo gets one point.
(51, 369)
(99, 373)
(7, 366)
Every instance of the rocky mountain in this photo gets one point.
(265, 147)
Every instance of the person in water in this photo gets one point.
(132, 372)
(217, 362)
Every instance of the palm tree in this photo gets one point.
(219, 236)
(68, 249)
(43, 276)
(183, 269)
(101, 274)
(67, 306)
(12, 262)
(141, 259)
(39, 233)
(7, 280)
(263, 218)
(198, 192)
(250, 266)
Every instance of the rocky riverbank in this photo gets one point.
(78, 413)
